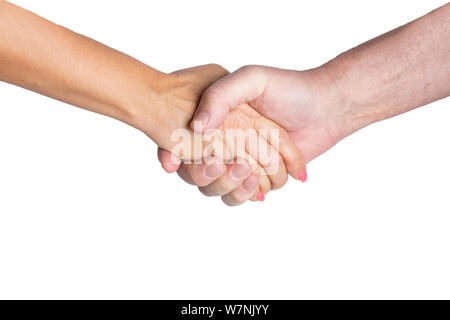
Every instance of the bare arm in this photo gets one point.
(41, 56)
(399, 71)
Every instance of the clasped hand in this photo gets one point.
(235, 135)
(251, 98)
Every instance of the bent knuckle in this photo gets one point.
(279, 182)
(206, 192)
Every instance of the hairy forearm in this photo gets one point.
(401, 70)
(38, 55)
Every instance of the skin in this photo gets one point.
(46, 58)
(397, 72)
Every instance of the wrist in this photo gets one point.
(148, 102)
(347, 103)
(170, 104)
(165, 107)
(332, 99)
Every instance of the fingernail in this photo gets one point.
(239, 171)
(200, 122)
(303, 176)
(261, 197)
(250, 183)
(213, 171)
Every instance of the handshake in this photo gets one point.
(252, 127)
(236, 135)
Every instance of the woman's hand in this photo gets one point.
(80, 71)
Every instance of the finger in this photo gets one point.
(169, 162)
(234, 176)
(271, 164)
(242, 193)
(278, 178)
(283, 144)
(293, 158)
(266, 162)
(244, 85)
(265, 185)
(202, 174)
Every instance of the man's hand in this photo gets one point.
(305, 103)
(401, 70)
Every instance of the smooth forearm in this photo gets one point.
(38, 55)
(404, 69)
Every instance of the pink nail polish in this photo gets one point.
(303, 176)
(261, 197)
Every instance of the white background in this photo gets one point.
(87, 212)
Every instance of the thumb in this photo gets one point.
(243, 85)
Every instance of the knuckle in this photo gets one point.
(183, 174)
(265, 184)
(279, 182)
(199, 180)
(195, 175)
(206, 192)
(231, 201)
(251, 70)
(213, 94)
(238, 198)
(218, 67)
